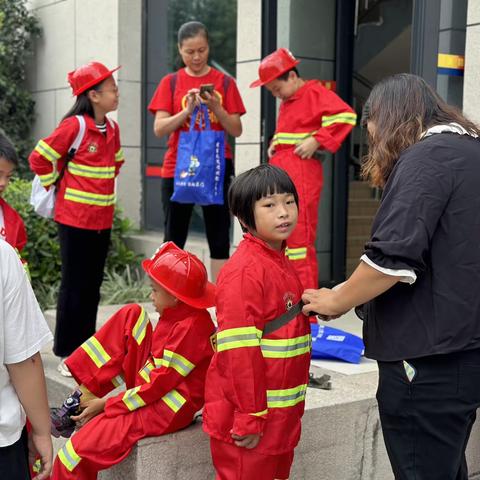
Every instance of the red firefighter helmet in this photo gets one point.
(87, 76)
(182, 274)
(273, 65)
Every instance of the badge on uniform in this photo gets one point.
(409, 371)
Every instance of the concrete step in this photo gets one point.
(359, 226)
(351, 264)
(341, 435)
(355, 245)
(147, 242)
(360, 190)
(363, 207)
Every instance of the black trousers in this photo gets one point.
(216, 218)
(14, 460)
(83, 254)
(427, 419)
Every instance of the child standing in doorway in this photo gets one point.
(257, 381)
(85, 199)
(164, 370)
(310, 118)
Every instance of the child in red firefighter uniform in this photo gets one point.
(256, 384)
(12, 228)
(310, 118)
(164, 371)
(85, 199)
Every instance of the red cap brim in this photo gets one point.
(260, 83)
(96, 81)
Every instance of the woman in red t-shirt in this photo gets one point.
(172, 104)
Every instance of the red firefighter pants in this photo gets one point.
(307, 175)
(236, 463)
(105, 441)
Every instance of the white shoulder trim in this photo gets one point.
(407, 275)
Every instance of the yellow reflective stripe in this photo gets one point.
(46, 151)
(145, 371)
(140, 328)
(296, 253)
(345, 117)
(132, 400)
(290, 138)
(88, 198)
(177, 362)
(287, 397)
(285, 348)
(48, 178)
(259, 414)
(174, 400)
(37, 466)
(91, 172)
(157, 362)
(117, 381)
(96, 352)
(119, 157)
(238, 338)
(68, 456)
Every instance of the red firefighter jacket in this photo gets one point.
(258, 384)
(15, 232)
(314, 111)
(86, 194)
(175, 373)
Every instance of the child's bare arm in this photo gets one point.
(28, 379)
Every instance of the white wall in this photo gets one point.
(471, 99)
(249, 35)
(78, 31)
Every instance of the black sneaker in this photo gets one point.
(61, 423)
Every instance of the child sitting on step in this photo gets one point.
(164, 369)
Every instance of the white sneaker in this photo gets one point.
(63, 369)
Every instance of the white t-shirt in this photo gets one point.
(23, 332)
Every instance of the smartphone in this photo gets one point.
(207, 87)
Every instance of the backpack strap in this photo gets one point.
(78, 139)
(74, 146)
(173, 84)
(274, 324)
(283, 319)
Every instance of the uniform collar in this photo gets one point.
(265, 246)
(91, 125)
(177, 313)
(300, 91)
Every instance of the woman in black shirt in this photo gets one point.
(420, 277)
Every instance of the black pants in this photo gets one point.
(83, 255)
(216, 218)
(14, 460)
(426, 422)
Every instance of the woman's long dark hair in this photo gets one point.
(400, 108)
(83, 105)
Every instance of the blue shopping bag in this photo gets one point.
(328, 342)
(200, 167)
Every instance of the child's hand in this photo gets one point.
(92, 409)
(307, 148)
(246, 441)
(41, 446)
(271, 150)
